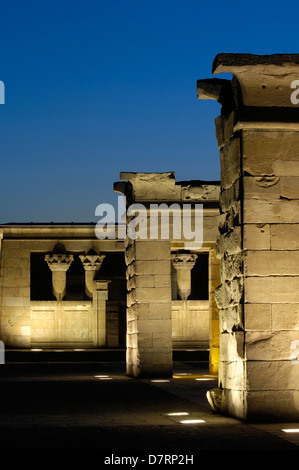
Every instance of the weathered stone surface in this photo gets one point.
(257, 317)
(279, 151)
(232, 266)
(285, 317)
(289, 186)
(284, 236)
(211, 88)
(229, 401)
(224, 128)
(272, 375)
(256, 237)
(229, 243)
(286, 168)
(232, 346)
(264, 80)
(229, 293)
(261, 187)
(194, 192)
(263, 212)
(276, 289)
(270, 263)
(232, 375)
(231, 218)
(153, 186)
(269, 345)
(230, 163)
(231, 319)
(230, 195)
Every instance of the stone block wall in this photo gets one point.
(258, 140)
(27, 322)
(149, 331)
(190, 324)
(15, 294)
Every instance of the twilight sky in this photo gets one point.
(94, 88)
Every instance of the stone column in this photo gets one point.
(258, 139)
(92, 262)
(97, 290)
(101, 295)
(183, 264)
(214, 282)
(59, 263)
(149, 307)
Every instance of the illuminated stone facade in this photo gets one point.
(258, 245)
(236, 293)
(62, 287)
(154, 322)
(58, 288)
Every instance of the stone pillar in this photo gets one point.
(258, 139)
(100, 297)
(97, 290)
(59, 263)
(214, 282)
(149, 325)
(183, 264)
(149, 306)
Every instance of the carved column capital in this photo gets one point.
(59, 263)
(183, 260)
(183, 263)
(92, 262)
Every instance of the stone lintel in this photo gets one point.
(147, 188)
(224, 62)
(264, 80)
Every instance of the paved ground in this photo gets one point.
(94, 405)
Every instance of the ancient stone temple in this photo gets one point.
(258, 244)
(64, 287)
(196, 264)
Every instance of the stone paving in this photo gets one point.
(96, 406)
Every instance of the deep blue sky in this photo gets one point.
(98, 87)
